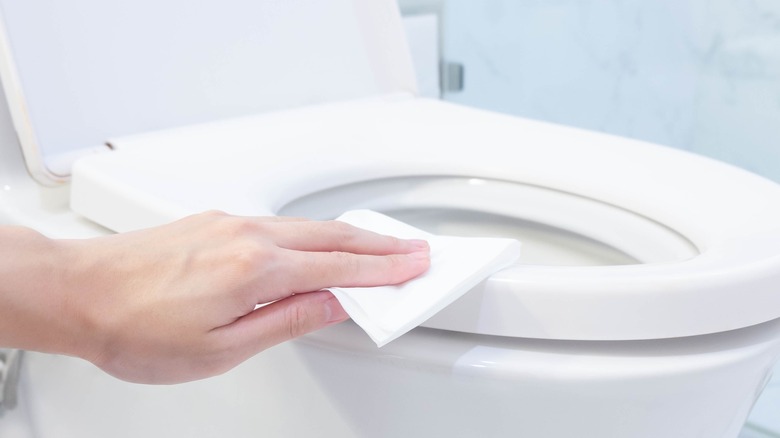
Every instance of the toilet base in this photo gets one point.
(336, 383)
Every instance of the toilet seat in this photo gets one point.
(255, 165)
(730, 216)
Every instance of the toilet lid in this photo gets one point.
(78, 72)
(258, 165)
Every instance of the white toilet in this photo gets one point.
(647, 302)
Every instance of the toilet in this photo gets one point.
(646, 303)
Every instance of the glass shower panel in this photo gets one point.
(701, 75)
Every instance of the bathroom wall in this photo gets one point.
(702, 75)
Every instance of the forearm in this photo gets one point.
(33, 308)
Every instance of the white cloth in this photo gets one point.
(457, 265)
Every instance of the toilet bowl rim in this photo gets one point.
(733, 225)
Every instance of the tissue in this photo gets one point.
(457, 265)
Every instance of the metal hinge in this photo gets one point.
(452, 77)
(10, 365)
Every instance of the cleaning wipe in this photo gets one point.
(457, 265)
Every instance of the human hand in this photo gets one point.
(177, 302)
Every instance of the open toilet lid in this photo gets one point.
(729, 215)
(80, 72)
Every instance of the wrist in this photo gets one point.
(82, 316)
(38, 304)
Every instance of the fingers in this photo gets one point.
(305, 256)
(284, 320)
(339, 236)
(311, 271)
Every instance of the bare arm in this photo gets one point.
(177, 302)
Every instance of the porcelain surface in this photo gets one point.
(160, 176)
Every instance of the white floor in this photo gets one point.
(764, 421)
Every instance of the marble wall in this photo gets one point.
(702, 75)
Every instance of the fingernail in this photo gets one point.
(419, 244)
(336, 313)
(421, 255)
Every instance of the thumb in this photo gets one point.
(286, 319)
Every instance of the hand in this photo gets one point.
(178, 302)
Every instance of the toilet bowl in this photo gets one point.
(625, 317)
(645, 305)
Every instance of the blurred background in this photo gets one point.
(699, 75)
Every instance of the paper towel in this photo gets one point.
(457, 265)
